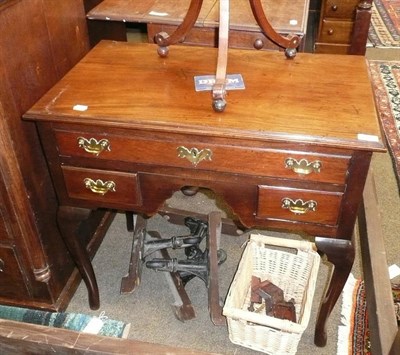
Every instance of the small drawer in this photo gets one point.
(12, 283)
(206, 156)
(105, 188)
(301, 205)
(336, 31)
(340, 9)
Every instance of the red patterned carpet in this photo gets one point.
(354, 334)
(386, 85)
(384, 31)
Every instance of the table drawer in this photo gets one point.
(336, 31)
(206, 156)
(341, 9)
(106, 188)
(303, 205)
(12, 280)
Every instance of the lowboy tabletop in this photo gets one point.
(318, 99)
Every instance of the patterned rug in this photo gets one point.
(384, 31)
(353, 334)
(386, 85)
(73, 321)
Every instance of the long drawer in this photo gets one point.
(205, 156)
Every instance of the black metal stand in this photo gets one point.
(198, 263)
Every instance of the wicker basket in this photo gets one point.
(293, 266)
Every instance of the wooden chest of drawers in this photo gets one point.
(343, 27)
(125, 129)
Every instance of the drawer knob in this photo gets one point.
(194, 155)
(302, 166)
(334, 7)
(330, 32)
(258, 43)
(93, 146)
(299, 206)
(98, 186)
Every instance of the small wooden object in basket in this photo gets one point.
(292, 266)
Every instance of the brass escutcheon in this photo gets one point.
(98, 186)
(299, 206)
(302, 166)
(93, 146)
(194, 155)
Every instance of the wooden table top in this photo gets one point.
(286, 16)
(324, 100)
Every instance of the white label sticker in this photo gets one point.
(293, 22)
(80, 108)
(367, 137)
(155, 13)
(394, 271)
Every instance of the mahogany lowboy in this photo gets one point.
(291, 151)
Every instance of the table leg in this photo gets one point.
(66, 218)
(341, 254)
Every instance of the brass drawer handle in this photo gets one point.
(93, 146)
(302, 166)
(194, 155)
(98, 186)
(299, 206)
(2, 264)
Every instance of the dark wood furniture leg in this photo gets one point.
(214, 305)
(130, 225)
(341, 254)
(132, 279)
(67, 218)
(362, 22)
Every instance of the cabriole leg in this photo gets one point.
(341, 254)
